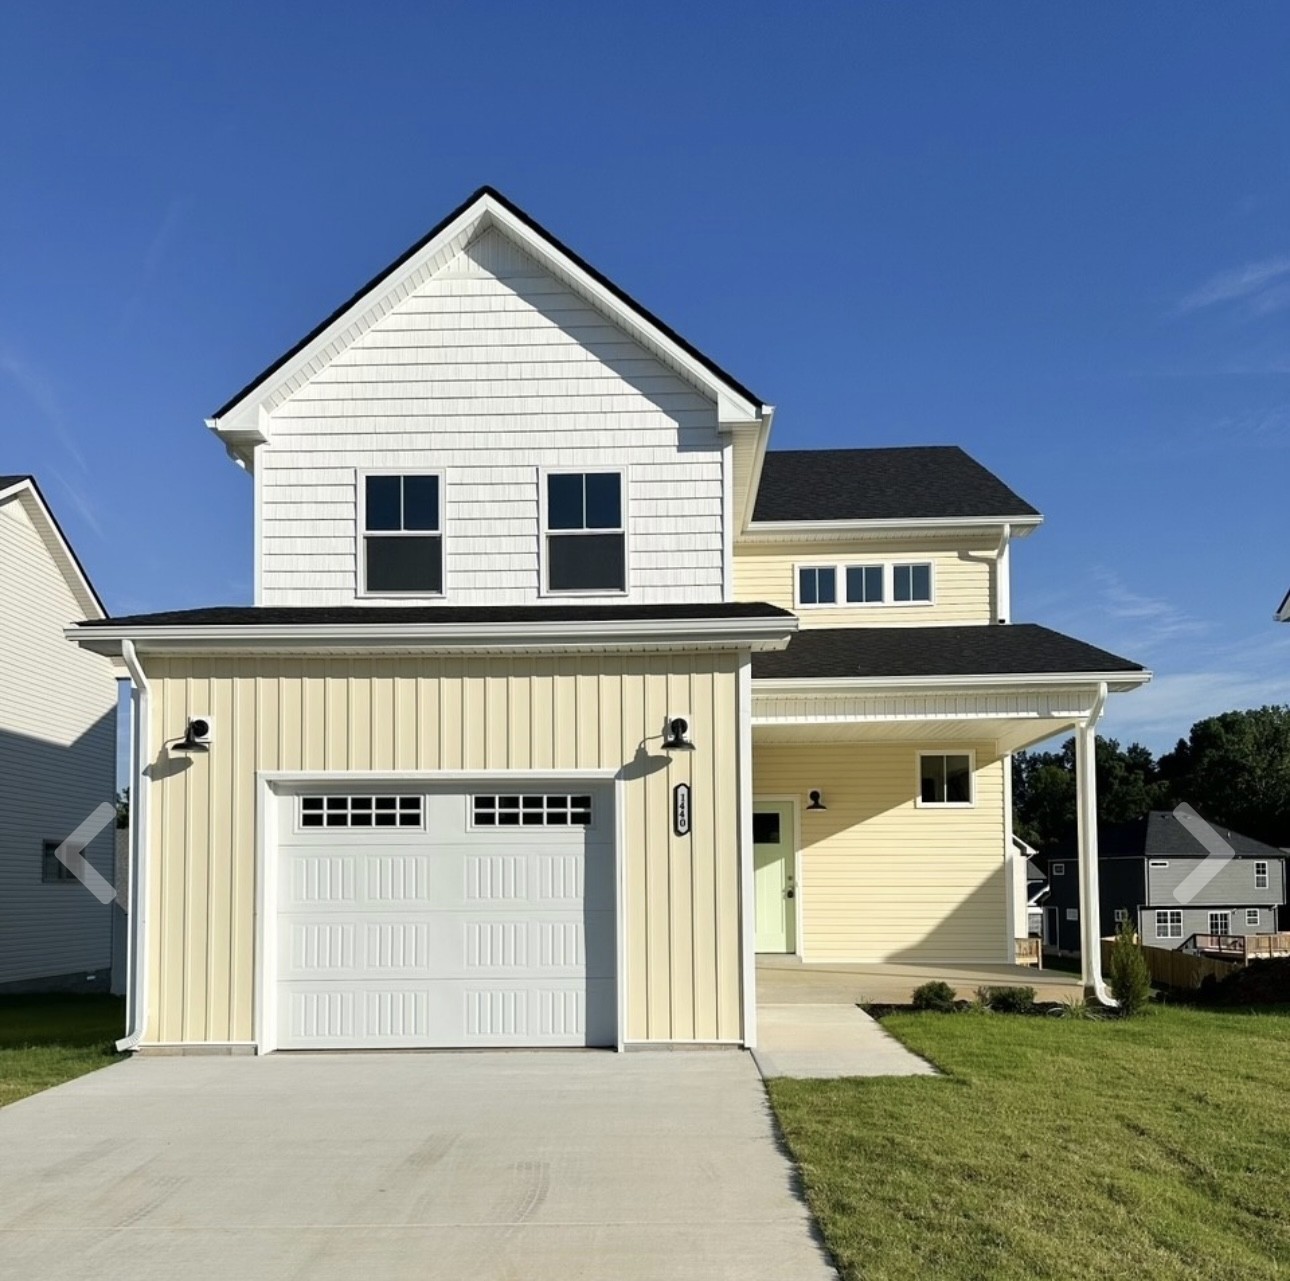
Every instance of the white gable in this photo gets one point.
(491, 369)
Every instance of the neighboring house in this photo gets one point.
(561, 696)
(1143, 864)
(1283, 610)
(57, 754)
(1036, 890)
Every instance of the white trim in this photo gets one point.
(797, 530)
(1223, 914)
(727, 520)
(1253, 912)
(242, 423)
(1169, 913)
(257, 530)
(759, 461)
(841, 600)
(362, 533)
(859, 684)
(921, 752)
(1003, 578)
(1057, 869)
(271, 788)
(747, 900)
(623, 472)
(1266, 874)
(1016, 895)
(912, 565)
(529, 635)
(760, 800)
(140, 817)
(816, 566)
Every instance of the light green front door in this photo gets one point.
(773, 887)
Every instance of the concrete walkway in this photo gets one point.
(825, 1041)
(516, 1166)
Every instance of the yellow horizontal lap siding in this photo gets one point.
(881, 878)
(962, 578)
(489, 715)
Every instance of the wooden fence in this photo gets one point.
(1177, 969)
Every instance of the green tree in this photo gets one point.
(1127, 975)
(1235, 770)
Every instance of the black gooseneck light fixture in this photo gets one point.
(816, 800)
(677, 738)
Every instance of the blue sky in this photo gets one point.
(1056, 235)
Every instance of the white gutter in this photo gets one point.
(1003, 578)
(757, 633)
(792, 530)
(1086, 815)
(137, 954)
(832, 686)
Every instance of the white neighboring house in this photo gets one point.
(57, 754)
(1283, 610)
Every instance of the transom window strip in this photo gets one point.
(553, 809)
(360, 811)
(884, 583)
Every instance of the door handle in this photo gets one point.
(789, 893)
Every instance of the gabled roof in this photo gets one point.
(1283, 610)
(1159, 834)
(23, 488)
(487, 207)
(936, 482)
(972, 650)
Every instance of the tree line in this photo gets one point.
(1233, 769)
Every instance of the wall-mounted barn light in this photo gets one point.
(816, 799)
(677, 738)
(197, 736)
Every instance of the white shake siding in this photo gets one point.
(488, 372)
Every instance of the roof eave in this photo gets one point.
(1116, 682)
(771, 531)
(755, 634)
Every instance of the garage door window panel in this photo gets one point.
(538, 810)
(361, 811)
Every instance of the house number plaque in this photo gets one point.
(681, 809)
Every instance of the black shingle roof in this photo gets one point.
(1013, 649)
(917, 482)
(289, 616)
(601, 279)
(7, 481)
(1157, 835)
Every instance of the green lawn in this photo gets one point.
(1152, 1149)
(45, 1040)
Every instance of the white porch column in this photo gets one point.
(1090, 903)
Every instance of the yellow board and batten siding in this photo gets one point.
(430, 714)
(963, 581)
(883, 879)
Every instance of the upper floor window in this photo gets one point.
(817, 585)
(911, 584)
(865, 585)
(944, 778)
(1260, 876)
(585, 536)
(1058, 869)
(402, 535)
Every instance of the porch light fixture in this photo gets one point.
(816, 799)
(677, 738)
(197, 736)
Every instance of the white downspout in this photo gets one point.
(137, 955)
(1003, 577)
(1090, 906)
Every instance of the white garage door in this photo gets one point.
(417, 917)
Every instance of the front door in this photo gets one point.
(773, 885)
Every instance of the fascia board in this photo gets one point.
(799, 530)
(826, 688)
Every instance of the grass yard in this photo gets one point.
(45, 1040)
(1156, 1148)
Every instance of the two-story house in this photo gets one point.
(1156, 872)
(57, 755)
(562, 696)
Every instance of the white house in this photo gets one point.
(57, 754)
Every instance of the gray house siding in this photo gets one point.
(1195, 920)
(1233, 883)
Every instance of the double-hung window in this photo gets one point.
(1260, 876)
(944, 778)
(911, 584)
(1220, 922)
(1169, 924)
(586, 538)
(402, 535)
(1252, 917)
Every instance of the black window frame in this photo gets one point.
(574, 538)
(368, 537)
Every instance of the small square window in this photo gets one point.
(817, 585)
(1059, 869)
(1252, 917)
(1121, 915)
(1072, 914)
(765, 827)
(52, 869)
(911, 583)
(864, 585)
(945, 778)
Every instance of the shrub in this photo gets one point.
(1127, 975)
(1007, 1000)
(1262, 982)
(1076, 1007)
(937, 995)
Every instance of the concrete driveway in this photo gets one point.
(386, 1166)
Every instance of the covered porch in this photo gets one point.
(882, 806)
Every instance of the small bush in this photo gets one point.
(1007, 1000)
(1127, 975)
(937, 995)
(1262, 982)
(1076, 1007)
